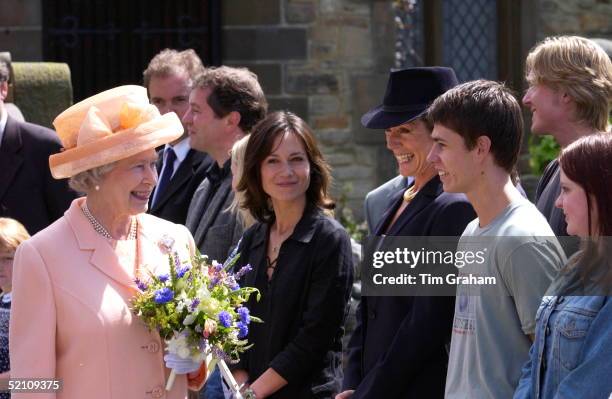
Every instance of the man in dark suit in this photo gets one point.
(28, 193)
(169, 79)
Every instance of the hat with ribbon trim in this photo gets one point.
(110, 126)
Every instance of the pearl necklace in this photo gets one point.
(101, 230)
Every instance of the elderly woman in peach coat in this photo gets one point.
(74, 281)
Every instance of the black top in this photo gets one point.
(5, 314)
(303, 306)
(399, 346)
(549, 188)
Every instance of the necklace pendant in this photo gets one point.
(409, 194)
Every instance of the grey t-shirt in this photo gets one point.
(489, 340)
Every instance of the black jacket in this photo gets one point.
(28, 192)
(175, 200)
(303, 306)
(398, 348)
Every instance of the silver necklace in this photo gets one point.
(101, 230)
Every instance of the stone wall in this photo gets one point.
(590, 18)
(21, 29)
(327, 61)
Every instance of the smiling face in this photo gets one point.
(450, 157)
(285, 173)
(410, 144)
(126, 189)
(573, 202)
(207, 132)
(546, 107)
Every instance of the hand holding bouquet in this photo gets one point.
(197, 308)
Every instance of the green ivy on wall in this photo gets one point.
(542, 150)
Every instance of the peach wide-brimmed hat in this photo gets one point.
(108, 127)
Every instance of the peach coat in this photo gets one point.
(71, 316)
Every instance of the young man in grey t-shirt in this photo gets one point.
(477, 132)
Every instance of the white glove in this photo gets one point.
(180, 365)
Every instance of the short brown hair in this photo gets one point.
(234, 89)
(261, 145)
(172, 62)
(580, 67)
(12, 233)
(483, 108)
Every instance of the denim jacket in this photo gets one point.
(571, 356)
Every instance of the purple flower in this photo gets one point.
(225, 318)
(181, 270)
(140, 284)
(231, 283)
(163, 295)
(194, 304)
(220, 354)
(243, 330)
(217, 266)
(214, 281)
(163, 278)
(243, 270)
(244, 315)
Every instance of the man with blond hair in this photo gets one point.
(569, 96)
(169, 79)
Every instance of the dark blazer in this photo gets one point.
(303, 307)
(398, 348)
(174, 201)
(215, 229)
(28, 192)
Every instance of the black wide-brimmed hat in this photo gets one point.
(409, 93)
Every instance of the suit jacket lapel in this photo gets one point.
(103, 256)
(11, 158)
(214, 208)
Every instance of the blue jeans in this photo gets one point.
(213, 389)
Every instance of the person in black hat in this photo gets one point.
(398, 349)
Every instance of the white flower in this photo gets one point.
(183, 352)
(189, 319)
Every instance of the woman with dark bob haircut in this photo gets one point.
(570, 356)
(301, 259)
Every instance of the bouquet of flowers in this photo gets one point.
(198, 310)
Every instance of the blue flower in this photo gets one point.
(140, 284)
(225, 318)
(163, 295)
(243, 330)
(163, 278)
(181, 270)
(244, 315)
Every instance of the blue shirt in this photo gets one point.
(571, 356)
